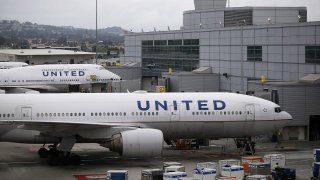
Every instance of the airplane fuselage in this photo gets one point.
(177, 115)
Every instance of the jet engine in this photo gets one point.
(137, 143)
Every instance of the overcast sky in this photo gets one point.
(128, 14)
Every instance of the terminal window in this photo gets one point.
(160, 55)
(313, 54)
(254, 53)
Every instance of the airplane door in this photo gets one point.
(250, 112)
(26, 113)
(174, 113)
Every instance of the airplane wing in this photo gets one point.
(23, 89)
(68, 128)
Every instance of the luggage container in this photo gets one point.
(284, 173)
(274, 159)
(175, 169)
(174, 175)
(316, 169)
(227, 178)
(233, 171)
(259, 169)
(316, 154)
(249, 159)
(117, 175)
(209, 165)
(204, 174)
(258, 177)
(228, 162)
(152, 174)
(167, 164)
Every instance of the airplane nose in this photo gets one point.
(287, 116)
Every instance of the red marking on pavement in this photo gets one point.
(91, 177)
(33, 148)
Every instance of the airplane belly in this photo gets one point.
(4, 128)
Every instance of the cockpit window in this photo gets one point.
(101, 68)
(277, 109)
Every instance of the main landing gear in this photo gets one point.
(60, 155)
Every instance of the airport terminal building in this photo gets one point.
(239, 44)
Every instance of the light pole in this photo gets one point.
(96, 31)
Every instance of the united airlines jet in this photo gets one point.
(9, 65)
(132, 124)
(53, 78)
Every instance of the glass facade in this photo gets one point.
(160, 55)
(254, 53)
(313, 54)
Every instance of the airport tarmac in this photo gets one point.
(21, 161)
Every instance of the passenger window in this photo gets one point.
(96, 114)
(220, 112)
(240, 112)
(132, 113)
(145, 113)
(197, 113)
(100, 114)
(108, 114)
(91, 114)
(209, 113)
(75, 114)
(83, 114)
(37, 115)
(59, 114)
(120, 114)
(8, 115)
(112, 114)
(71, 114)
(192, 113)
(157, 113)
(46, 114)
(54, 114)
(152, 113)
(12, 115)
(62, 114)
(124, 114)
(104, 114)
(116, 114)
(205, 113)
(140, 113)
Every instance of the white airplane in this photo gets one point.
(9, 65)
(132, 124)
(52, 78)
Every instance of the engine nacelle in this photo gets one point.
(137, 143)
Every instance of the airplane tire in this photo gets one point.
(75, 160)
(43, 152)
(53, 160)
